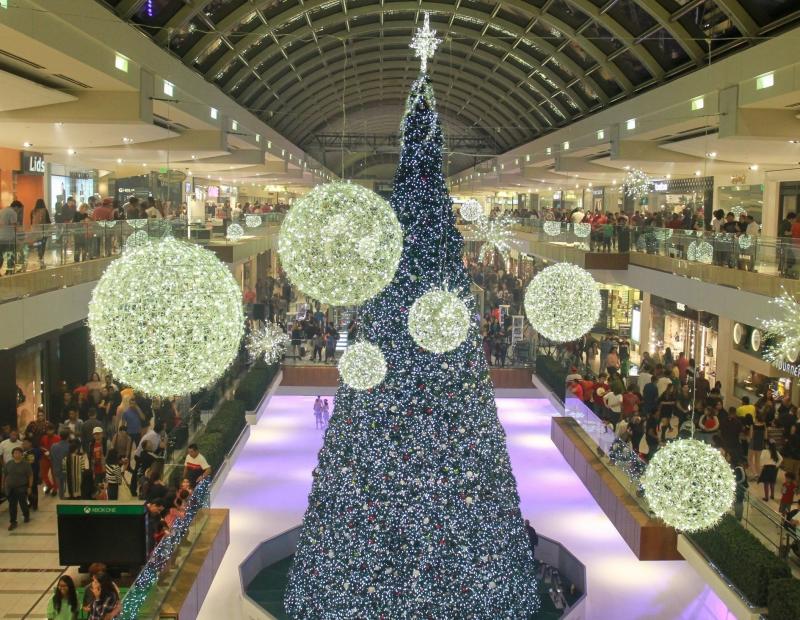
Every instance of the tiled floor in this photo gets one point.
(268, 486)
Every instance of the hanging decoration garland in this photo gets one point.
(439, 321)
(783, 334)
(554, 228)
(689, 485)
(234, 232)
(166, 318)
(636, 184)
(268, 342)
(700, 251)
(562, 302)
(362, 366)
(471, 210)
(323, 249)
(496, 234)
(252, 221)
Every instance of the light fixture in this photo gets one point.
(614, 182)
(711, 154)
(234, 125)
(119, 160)
(753, 167)
(697, 173)
(144, 165)
(121, 63)
(548, 151)
(169, 88)
(72, 152)
(127, 140)
(630, 124)
(27, 145)
(59, 124)
(669, 176)
(258, 137)
(194, 156)
(601, 134)
(214, 113)
(698, 103)
(765, 81)
(565, 145)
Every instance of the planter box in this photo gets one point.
(737, 605)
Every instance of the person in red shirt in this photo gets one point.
(46, 474)
(788, 492)
(576, 389)
(600, 389)
(630, 401)
(683, 364)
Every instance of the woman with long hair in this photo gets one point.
(40, 217)
(64, 603)
(104, 597)
(769, 471)
(758, 432)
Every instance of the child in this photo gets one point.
(788, 491)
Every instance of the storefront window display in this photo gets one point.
(674, 195)
(747, 199)
(747, 382)
(684, 330)
(79, 184)
(616, 313)
(30, 382)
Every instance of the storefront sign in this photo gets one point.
(32, 163)
(660, 186)
(790, 369)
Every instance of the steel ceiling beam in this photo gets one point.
(740, 18)
(390, 143)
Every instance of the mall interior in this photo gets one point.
(387, 309)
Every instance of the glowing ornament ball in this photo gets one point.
(268, 342)
(439, 321)
(689, 485)
(252, 221)
(362, 366)
(340, 244)
(562, 302)
(166, 318)
(471, 210)
(234, 232)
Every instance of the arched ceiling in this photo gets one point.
(508, 70)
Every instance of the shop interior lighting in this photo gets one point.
(169, 88)
(121, 63)
(214, 113)
(765, 81)
(601, 134)
(698, 103)
(27, 145)
(630, 124)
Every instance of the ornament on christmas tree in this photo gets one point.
(562, 302)
(234, 232)
(340, 244)
(166, 318)
(471, 210)
(252, 221)
(439, 321)
(362, 366)
(636, 184)
(268, 342)
(689, 485)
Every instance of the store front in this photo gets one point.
(680, 329)
(753, 376)
(63, 182)
(616, 310)
(674, 195)
(738, 199)
(21, 178)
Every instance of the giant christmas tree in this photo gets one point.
(414, 511)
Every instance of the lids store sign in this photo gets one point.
(32, 163)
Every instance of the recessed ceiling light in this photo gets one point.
(754, 167)
(59, 124)
(144, 165)
(71, 152)
(119, 160)
(697, 173)
(27, 145)
(711, 154)
(127, 140)
(669, 176)
(194, 156)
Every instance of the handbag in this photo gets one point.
(644, 447)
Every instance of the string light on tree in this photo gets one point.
(166, 318)
(471, 210)
(362, 366)
(323, 249)
(636, 184)
(783, 334)
(425, 43)
(439, 321)
(496, 234)
(689, 485)
(562, 302)
(268, 343)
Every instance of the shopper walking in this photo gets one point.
(17, 484)
(40, 219)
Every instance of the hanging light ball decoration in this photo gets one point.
(745, 241)
(552, 228)
(234, 232)
(268, 342)
(138, 239)
(322, 247)
(582, 230)
(562, 302)
(439, 321)
(167, 318)
(252, 221)
(782, 334)
(689, 485)
(107, 223)
(738, 211)
(700, 251)
(636, 184)
(362, 366)
(471, 210)
(138, 223)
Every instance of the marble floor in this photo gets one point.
(267, 489)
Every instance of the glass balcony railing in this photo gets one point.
(34, 258)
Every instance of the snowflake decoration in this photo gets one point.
(425, 43)
(636, 184)
(234, 232)
(495, 234)
(783, 334)
(269, 342)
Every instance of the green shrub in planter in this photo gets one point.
(743, 559)
(553, 374)
(211, 446)
(784, 599)
(228, 421)
(254, 384)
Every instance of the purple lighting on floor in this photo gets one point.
(267, 491)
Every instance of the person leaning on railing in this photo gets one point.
(8, 225)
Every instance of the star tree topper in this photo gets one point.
(425, 43)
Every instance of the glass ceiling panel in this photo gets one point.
(666, 50)
(632, 17)
(765, 12)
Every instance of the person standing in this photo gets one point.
(64, 603)
(31, 455)
(46, 473)
(17, 483)
(196, 467)
(318, 412)
(326, 413)
(58, 456)
(40, 218)
(113, 474)
(533, 537)
(97, 456)
(105, 597)
(8, 236)
(76, 465)
(769, 471)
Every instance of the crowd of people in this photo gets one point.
(671, 398)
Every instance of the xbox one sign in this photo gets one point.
(32, 163)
